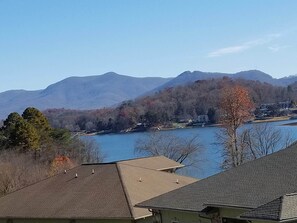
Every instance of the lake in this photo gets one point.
(121, 146)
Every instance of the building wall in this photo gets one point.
(148, 219)
(167, 217)
(192, 217)
(267, 221)
(234, 213)
(182, 217)
(231, 213)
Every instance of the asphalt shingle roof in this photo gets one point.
(281, 209)
(247, 186)
(154, 162)
(142, 184)
(64, 196)
(109, 193)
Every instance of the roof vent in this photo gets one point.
(65, 171)
(177, 182)
(93, 171)
(140, 180)
(76, 175)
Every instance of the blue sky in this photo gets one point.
(42, 42)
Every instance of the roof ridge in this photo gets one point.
(124, 160)
(279, 218)
(158, 171)
(125, 191)
(280, 211)
(291, 194)
(138, 158)
(97, 164)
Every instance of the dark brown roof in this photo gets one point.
(247, 186)
(110, 193)
(64, 196)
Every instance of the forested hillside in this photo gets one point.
(167, 106)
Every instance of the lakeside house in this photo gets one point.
(94, 193)
(202, 119)
(281, 108)
(263, 190)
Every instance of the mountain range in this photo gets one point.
(109, 89)
(80, 93)
(188, 77)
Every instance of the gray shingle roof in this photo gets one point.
(247, 186)
(281, 209)
(110, 193)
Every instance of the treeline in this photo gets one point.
(31, 149)
(165, 107)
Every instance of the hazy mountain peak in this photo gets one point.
(290, 76)
(185, 73)
(255, 75)
(89, 92)
(254, 72)
(111, 73)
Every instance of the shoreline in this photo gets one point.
(179, 126)
(273, 119)
(291, 124)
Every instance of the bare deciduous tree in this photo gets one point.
(90, 151)
(182, 150)
(252, 143)
(232, 157)
(18, 170)
(263, 139)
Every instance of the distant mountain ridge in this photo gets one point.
(109, 89)
(89, 92)
(188, 77)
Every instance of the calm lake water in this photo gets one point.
(121, 146)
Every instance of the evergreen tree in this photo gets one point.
(34, 117)
(25, 136)
(37, 119)
(17, 132)
(9, 128)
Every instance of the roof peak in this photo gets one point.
(123, 160)
(160, 163)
